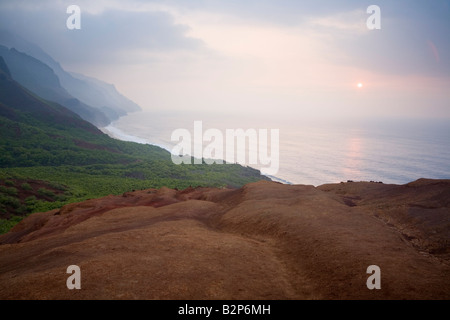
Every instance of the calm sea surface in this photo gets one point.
(319, 151)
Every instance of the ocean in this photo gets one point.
(318, 151)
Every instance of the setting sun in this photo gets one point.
(360, 85)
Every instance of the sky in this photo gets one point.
(286, 58)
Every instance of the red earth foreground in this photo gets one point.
(263, 241)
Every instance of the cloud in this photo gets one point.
(351, 22)
(109, 35)
(252, 54)
(115, 31)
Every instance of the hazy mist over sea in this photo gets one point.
(318, 151)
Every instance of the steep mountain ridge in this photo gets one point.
(41, 80)
(19, 104)
(93, 92)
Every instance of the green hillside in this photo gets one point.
(50, 157)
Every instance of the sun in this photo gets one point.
(360, 85)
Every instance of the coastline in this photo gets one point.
(389, 152)
(116, 133)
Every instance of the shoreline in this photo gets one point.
(118, 134)
(391, 155)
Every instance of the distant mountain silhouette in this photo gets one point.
(41, 80)
(22, 106)
(86, 90)
(98, 94)
(4, 68)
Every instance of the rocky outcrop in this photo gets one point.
(263, 241)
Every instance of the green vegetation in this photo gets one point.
(26, 186)
(9, 183)
(98, 180)
(46, 193)
(67, 184)
(6, 225)
(11, 191)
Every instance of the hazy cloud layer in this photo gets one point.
(306, 57)
(107, 36)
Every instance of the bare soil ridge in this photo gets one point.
(263, 241)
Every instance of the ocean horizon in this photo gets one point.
(318, 151)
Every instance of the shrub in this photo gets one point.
(9, 183)
(61, 198)
(30, 203)
(58, 186)
(22, 209)
(8, 201)
(30, 199)
(7, 224)
(46, 193)
(11, 191)
(26, 186)
(44, 206)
